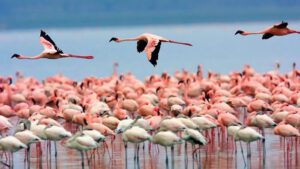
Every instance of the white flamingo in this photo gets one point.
(11, 144)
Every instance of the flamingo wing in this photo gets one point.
(48, 43)
(267, 36)
(152, 50)
(141, 44)
(281, 25)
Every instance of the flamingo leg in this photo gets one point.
(185, 155)
(242, 151)
(7, 165)
(28, 156)
(126, 162)
(12, 160)
(167, 160)
(82, 159)
(199, 158)
(172, 156)
(55, 149)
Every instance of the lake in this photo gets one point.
(214, 46)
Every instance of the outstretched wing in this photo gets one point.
(267, 36)
(152, 50)
(281, 25)
(140, 46)
(48, 43)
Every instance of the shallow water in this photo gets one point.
(218, 154)
(214, 46)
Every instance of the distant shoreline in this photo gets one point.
(131, 19)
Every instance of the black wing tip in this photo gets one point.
(154, 64)
(43, 33)
(267, 36)
(140, 45)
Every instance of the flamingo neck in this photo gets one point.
(252, 33)
(128, 39)
(28, 57)
(293, 31)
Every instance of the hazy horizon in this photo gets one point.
(32, 14)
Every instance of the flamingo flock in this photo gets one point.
(161, 111)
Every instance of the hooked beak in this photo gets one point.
(113, 39)
(15, 56)
(239, 32)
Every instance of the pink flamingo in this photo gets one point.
(275, 30)
(51, 51)
(150, 43)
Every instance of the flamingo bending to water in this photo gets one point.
(280, 29)
(150, 43)
(51, 51)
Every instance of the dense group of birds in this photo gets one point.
(163, 109)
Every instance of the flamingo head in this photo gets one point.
(114, 39)
(15, 56)
(239, 32)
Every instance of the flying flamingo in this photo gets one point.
(51, 51)
(150, 43)
(275, 30)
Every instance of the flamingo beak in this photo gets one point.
(15, 56)
(113, 39)
(239, 32)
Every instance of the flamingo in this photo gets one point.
(194, 137)
(166, 139)
(51, 51)
(4, 123)
(150, 43)
(280, 29)
(11, 144)
(96, 135)
(26, 136)
(134, 134)
(55, 134)
(81, 142)
(247, 135)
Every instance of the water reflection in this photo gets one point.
(218, 154)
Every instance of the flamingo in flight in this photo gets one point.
(150, 44)
(51, 51)
(280, 29)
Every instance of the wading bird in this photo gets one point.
(280, 29)
(51, 51)
(150, 44)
